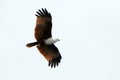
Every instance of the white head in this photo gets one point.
(56, 40)
(50, 41)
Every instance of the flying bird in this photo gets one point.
(44, 41)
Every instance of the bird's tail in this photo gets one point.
(32, 44)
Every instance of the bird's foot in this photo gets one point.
(38, 45)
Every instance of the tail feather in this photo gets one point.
(32, 44)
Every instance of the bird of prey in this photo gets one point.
(44, 41)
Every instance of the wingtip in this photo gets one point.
(43, 13)
(54, 62)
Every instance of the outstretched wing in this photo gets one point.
(51, 53)
(43, 25)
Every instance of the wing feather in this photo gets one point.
(51, 53)
(43, 25)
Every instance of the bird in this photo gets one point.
(44, 40)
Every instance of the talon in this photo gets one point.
(38, 45)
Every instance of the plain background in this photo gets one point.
(89, 31)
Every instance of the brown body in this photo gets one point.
(43, 32)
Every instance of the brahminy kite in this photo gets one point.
(44, 41)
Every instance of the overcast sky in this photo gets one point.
(89, 33)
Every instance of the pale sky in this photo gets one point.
(89, 33)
